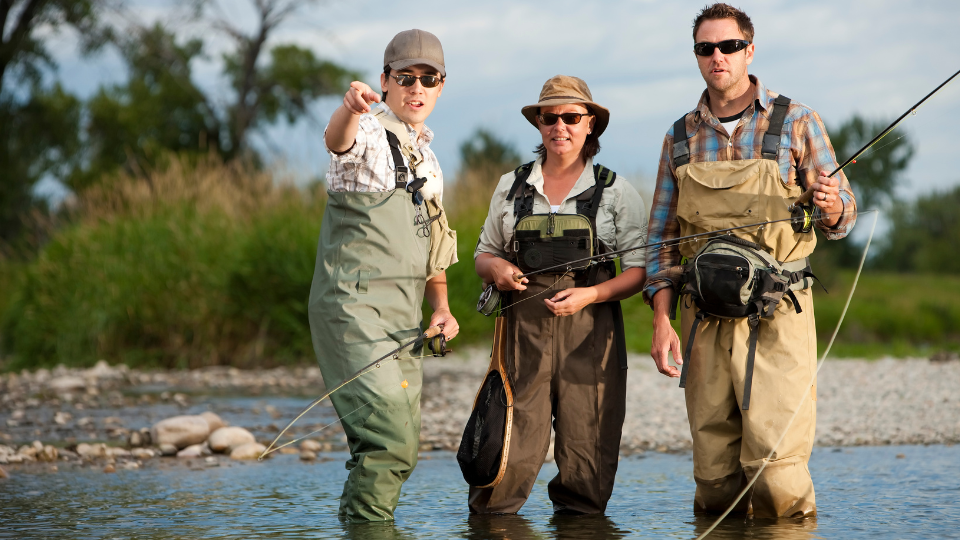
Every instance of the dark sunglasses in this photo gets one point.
(569, 118)
(727, 46)
(428, 81)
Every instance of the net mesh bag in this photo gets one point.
(481, 448)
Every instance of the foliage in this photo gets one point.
(164, 270)
(923, 235)
(874, 178)
(39, 137)
(483, 160)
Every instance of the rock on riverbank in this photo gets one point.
(57, 415)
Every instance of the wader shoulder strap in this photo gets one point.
(400, 145)
(681, 146)
(771, 139)
(603, 178)
(399, 168)
(522, 204)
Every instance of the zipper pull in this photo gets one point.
(550, 224)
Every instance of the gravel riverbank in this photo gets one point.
(860, 402)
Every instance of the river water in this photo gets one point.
(862, 492)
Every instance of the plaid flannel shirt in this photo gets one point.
(805, 150)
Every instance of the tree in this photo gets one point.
(160, 108)
(924, 235)
(483, 160)
(874, 178)
(39, 121)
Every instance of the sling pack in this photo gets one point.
(732, 278)
(485, 444)
(443, 239)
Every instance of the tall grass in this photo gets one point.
(206, 263)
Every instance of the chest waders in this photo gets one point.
(745, 333)
(365, 300)
(745, 274)
(567, 372)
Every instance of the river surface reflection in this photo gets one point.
(866, 492)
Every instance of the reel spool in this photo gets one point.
(438, 345)
(489, 300)
(802, 218)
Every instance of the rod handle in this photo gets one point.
(806, 197)
(432, 332)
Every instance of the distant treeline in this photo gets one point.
(205, 262)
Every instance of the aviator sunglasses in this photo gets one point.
(428, 81)
(570, 118)
(727, 46)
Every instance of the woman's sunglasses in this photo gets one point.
(570, 118)
(727, 46)
(428, 81)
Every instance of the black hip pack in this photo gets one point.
(732, 278)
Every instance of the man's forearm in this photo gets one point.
(436, 292)
(342, 130)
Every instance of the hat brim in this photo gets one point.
(400, 64)
(602, 113)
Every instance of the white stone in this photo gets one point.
(90, 451)
(115, 452)
(167, 449)
(248, 451)
(180, 431)
(66, 383)
(311, 445)
(226, 439)
(192, 451)
(307, 455)
(49, 453)
(213, 420)
(61, 418)
(142, 453)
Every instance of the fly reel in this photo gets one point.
(802, 218)
(438, 345)
(489, 300)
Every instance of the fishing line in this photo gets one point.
(531, 297)
(339, 419)
(805, 395)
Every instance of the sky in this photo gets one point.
(841, 57)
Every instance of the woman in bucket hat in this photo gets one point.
(565, 353)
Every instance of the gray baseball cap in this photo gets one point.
(412, 47)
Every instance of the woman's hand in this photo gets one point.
(570, 301)
(503, 274)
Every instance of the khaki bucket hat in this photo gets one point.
(414, 47)
(563, 89)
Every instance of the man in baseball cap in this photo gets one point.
(384, 247)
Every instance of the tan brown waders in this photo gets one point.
(745, 374)
(568, 370)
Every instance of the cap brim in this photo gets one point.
(400, 64)
(602, 113)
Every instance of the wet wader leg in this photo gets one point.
(714, 414)
(589, 405)
(360, 309)
(529, 360)
(786, 360)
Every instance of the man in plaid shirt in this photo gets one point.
(731, 441)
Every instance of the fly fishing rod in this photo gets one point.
(436, 342)
(491, 295)
(808, 195)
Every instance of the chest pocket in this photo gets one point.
(545, 240)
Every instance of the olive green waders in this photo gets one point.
(365, 300)
(566, 369)
(730, 444)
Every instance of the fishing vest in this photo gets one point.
(546, 240)
(443, 239)
(747, 272)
